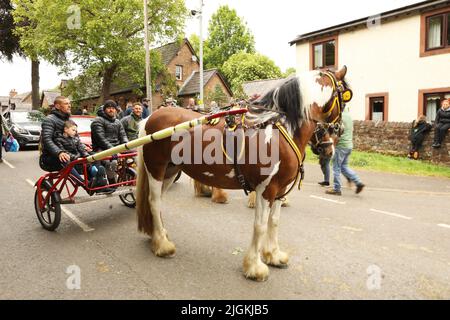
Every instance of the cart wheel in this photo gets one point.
(178, 176)
(129, 199)
(50, 215)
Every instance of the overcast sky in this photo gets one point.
(273, 23)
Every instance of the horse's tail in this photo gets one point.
(144, 213)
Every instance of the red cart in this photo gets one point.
(57, 188)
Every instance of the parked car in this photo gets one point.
(25, 126)
(84, 128)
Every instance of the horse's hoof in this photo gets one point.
(278, 260)
(257, 272)
(164, 249)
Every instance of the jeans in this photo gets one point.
(340, 165)
(325, 167)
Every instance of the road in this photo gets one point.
(390, 242)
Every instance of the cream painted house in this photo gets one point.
(398, 62)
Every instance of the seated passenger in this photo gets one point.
(107, 132)
(52, 156)
(70, 143)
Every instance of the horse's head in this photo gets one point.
(323, 139)
(324, 94)
(317, 95)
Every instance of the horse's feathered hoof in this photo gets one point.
(164, 248)
(256, 271)
(278, 260)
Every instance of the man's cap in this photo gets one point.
(110, 103)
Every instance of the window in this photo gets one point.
(377, 106)
(435, 32)
(324, 53)
(377, 109)
(433, 103)
(179, 73)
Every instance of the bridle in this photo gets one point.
(341, 95)
(320, 131)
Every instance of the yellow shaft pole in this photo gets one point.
(160, 135)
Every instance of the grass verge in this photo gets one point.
(390, 164)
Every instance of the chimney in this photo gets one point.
(12, 93)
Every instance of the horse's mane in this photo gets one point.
(286, 98)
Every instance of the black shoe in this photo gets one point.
(359, 188)
(324, 183)
(333, 192)
(1, 160)
(436, 145)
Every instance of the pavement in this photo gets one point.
(392, 241)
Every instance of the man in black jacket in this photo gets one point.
(107, 132)
(53, 156)
(442, 123)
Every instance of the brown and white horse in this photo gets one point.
(315, 96)
(322, 142)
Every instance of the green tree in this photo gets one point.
(195, 42)
(98, 35)
(243, 67)
(289, 72)
(216, 95)
(10, 46)
(227, 34)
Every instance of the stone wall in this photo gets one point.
(391, 138)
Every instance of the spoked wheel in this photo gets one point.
(129, 199)
(50, 215)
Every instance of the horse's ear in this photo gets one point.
(340, 75)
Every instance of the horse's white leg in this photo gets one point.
(254, 268)
(272, 254)
(161, 246)
(167, 183)
(251, 199)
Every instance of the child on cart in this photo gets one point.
(71, 144)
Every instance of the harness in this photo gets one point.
(340, 96)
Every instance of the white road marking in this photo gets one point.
(8, 164)
(444, 226)
(329, 200)
(392, 214)
(352, 229)
(31, 183)
(80, 223)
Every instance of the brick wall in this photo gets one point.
(392, 138)
(183, 58)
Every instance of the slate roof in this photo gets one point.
(192, 84)
(261, 87)
(50, 95)
(169, 51)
